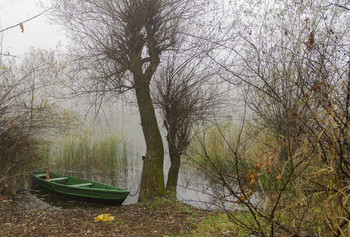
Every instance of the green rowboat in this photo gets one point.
(80, 188)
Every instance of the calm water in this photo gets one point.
(192, 186)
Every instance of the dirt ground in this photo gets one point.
(160, 218)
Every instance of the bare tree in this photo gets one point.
(120, 44)
(185, 98)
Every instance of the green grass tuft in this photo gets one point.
(217, 225)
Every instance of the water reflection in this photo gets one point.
(192, 189)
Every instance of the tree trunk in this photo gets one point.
(173, 174)
(152, 178)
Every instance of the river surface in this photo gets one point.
(192, 188)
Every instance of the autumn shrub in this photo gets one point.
(26, 118)
(302, 194)
(294, 69)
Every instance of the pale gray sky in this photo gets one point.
(38, 32)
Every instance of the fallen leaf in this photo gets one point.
(104, 217)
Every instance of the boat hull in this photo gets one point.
(80, 189)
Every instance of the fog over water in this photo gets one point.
(119, 117)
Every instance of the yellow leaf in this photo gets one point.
(99, 218)
(104, 217)
(3, 67)
(21, 26)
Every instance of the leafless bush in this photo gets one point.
(26, 116)
(294, 178)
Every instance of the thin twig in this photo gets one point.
(13, 26)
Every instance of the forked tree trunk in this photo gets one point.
(152, 178)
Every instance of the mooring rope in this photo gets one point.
(132, 195)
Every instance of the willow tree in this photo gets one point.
(118, 46)
(185, 98)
